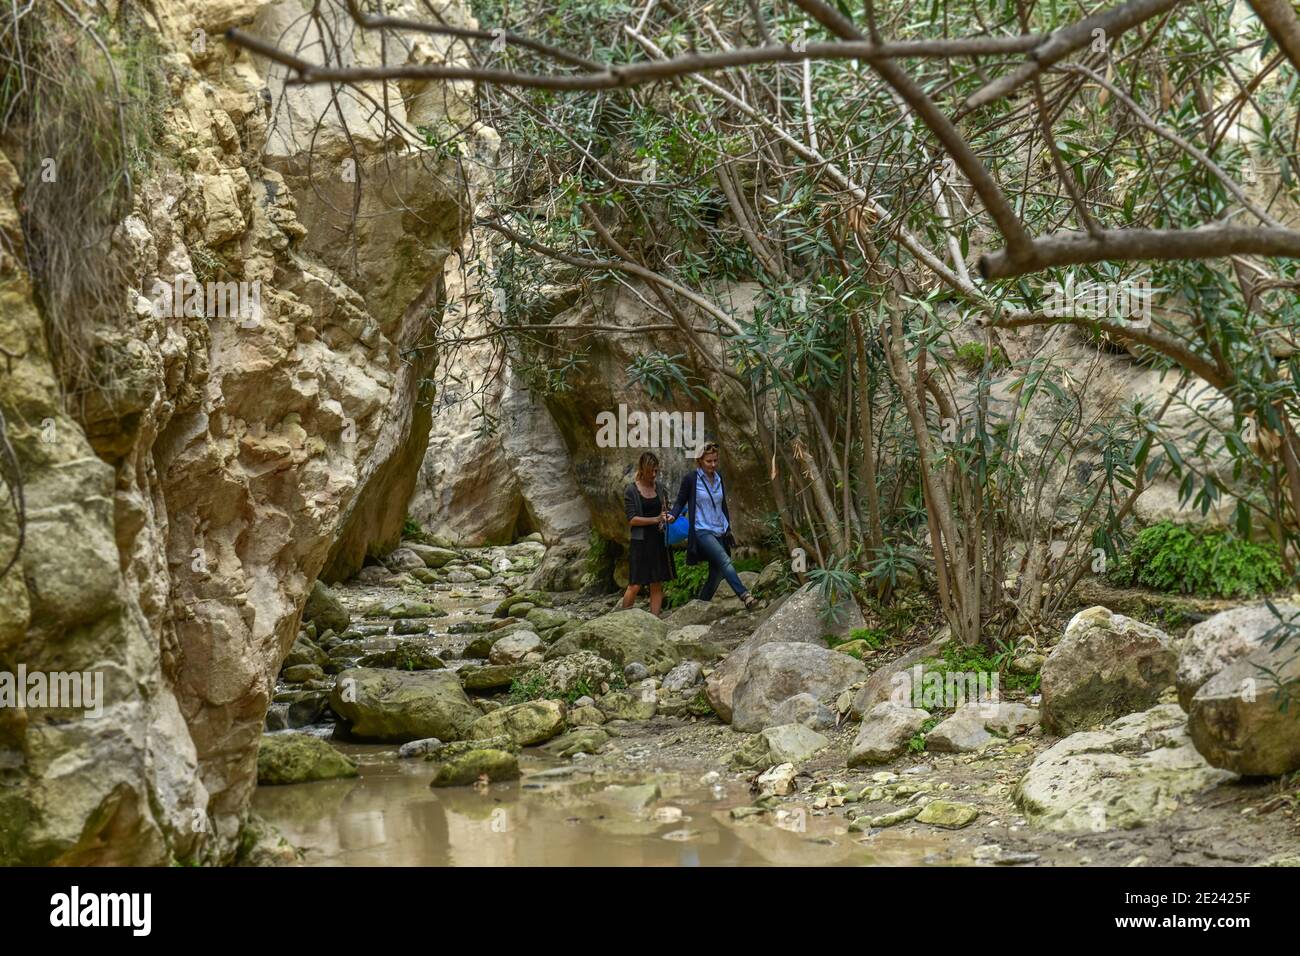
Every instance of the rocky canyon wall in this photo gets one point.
(177, 523)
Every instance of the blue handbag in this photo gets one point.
(677, 531)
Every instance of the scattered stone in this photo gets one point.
(301, 673)
(397, 706)
(325, 610)
(948, 814)
(1105, 666)
(880, 821)
(419, 748)
(405, 656)
(775, 672)
(885, 733)
(299, 758)
(635, 672)
(778, 781)
(526, 724)
(413, 609)
(585, 740)
(468, 767)
(514, 647)
(587, 715)
(1132, 772)
(685, 675)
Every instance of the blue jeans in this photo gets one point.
(720, 566)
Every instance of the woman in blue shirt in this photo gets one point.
(703, 497)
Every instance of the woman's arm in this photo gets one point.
(632, 507)
(683, 493)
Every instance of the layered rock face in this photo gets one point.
(549, 460)
(176, 530)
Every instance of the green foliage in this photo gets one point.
(1175, 558)
(973, 355)
(691, 577)
(411, 528)
(528, 687)
(917, 744)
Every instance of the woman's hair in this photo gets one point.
(710, 446)
(644, 464)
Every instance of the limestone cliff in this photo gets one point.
(176, 524)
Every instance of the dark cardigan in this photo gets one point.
(686, 499)
(632, 499)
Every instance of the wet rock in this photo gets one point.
(397, 706)
(410, 628)
(948, 814)
(545, 618)
(1237, 720)
(622, 637)
(804, 709)
(492, 676)
(969, 727)
(799, 618)
(419, 748)
(882, 820)
(506, 607)
(514, 647)
(299, 758)
(526, 724)
(412, 610)
(469, 767)
(586, 740)
(880, 685)
(885, 733)
(775, 672)
(405, 656)
(629, 798)
(1224, 639)
(301, 673)
(1105, 666)
(1130, 773)
(684, 675)
(325, 610)
(305, 651)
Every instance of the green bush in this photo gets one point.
(690, 578)
(1175, 558)
(971, 357)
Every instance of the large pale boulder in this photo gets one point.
(885, 733)
(397, 706)
(1106, 665)
(973, 725)
(802, 617)
(1246, 719)
(299, 758)
(1136, 770)
(622, 637)
(526, 724)
(582, 672)
(1226, 638)
(779, 671)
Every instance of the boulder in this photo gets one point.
(526, 724)
(404, 656)
(492, 676)
(404, 559)
(299, 758)
(325, 610)
(880, 685)
(800, 619)
(1237, 720)
(397, 706)
(433, 557)
(969, 727)
(1130, 773)
(775, 672)
(585, 740)
(632, 704)
(948, 814)
(301, 673)
(305, 651)
(1106, 665)
(582, 672)
(466, 768)
(885, 733)
(790, 743)
(804, 709)
(622, 637)
(514, 647)
(1224, 639)
(684, 675)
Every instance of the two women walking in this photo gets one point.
(702, 496)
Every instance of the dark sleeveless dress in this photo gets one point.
(648, 560)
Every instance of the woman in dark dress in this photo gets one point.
(648, 559)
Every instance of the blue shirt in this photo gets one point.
(708, 504)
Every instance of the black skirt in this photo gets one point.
(648, 560)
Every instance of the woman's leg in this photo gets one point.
(656, 598)
(720, 566)
(629, 596)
